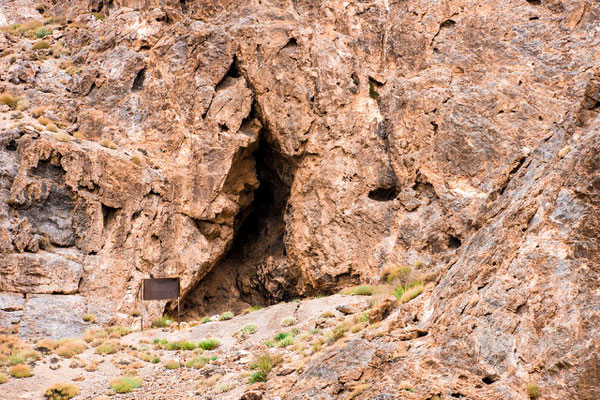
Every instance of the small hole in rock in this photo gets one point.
(535, 2)
(488, 380)
(454, 242)
(12, 146)
(449, 23)
(383, 194)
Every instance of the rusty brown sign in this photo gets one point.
(160, 289)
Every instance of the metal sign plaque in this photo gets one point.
(160, 289)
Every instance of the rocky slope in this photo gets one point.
(283, 149)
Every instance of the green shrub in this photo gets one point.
(125, 384)
(225, 316)
(363, 290)
(197, 362)
(155, 360)
(61, 391)
(108, 347)
(119, 330)
(282, 335)
(99, 16)
(3, 378)
(42, 33)
(209, 344)
(287, 341)
(20, 371)
(162, 322)
(269, 343)
(263, 364)
(251, 309)
(288, 321)
(40, 45)
(534, 391)
(88, 318)
(249, 329)
(338, 332)
(206, 320)
(16, 359)
(181, 345)
(408, 292)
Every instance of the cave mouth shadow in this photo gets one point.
(254, 270)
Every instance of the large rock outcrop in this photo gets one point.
(285, 148)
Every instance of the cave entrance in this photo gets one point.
(255, 270)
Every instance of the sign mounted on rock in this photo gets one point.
(160, 289)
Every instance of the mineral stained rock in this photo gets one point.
(273, 149)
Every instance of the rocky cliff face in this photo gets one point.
(280, 149)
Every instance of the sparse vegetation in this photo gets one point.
(52, 127)
(251, 309)
(3, 378)
(286, 341)
(118, 331)
(94, 333)
(249, 329)
(42, 32)
(162, 322)
(41, 45)
(22, 105)
(70, 348)
(108, 347)
(109, 145)
(181, 345)
(327, 314)
(9, 100)
(224, 387)
(16, 359)
(136, 160)
(226, 315)
(20, 371)
(99, 16)
(197, 362)
(125, 384)
(46, 345)
(408, 292)
(289, 321)
(88, 318)
(358, 390)
(396, 273)
(363, 290)
(534, 391)
(209, 344)
(338, 332)
(263, 364)
(61, 391)
(172, 364)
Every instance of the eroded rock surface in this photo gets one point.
(279, 149)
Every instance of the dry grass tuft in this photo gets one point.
(61, 391)
(20, 371)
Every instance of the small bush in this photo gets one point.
(258, 376)
(162, 322)
(209, 344)
(52, 127)
(108, 347)
(534, 391)
(3, 378)
(20, 371)
(358, 390)
(61, 391)
(16, 359)
(136, 160)
(80, 135)
(225, 316)
(22, 105)
(121, 385)
(46, 345)
(249, 329)
(155, 360)
(282, 335)
(172, 364)
(224, 387)
(197, 362)
(392, 274)
(327, 314)
(206, 320)
(44, 121)
(41, 33)
(269, 343)
(119, 331)
(108, 144)
(40, 45)
(70, 348)
(9, 100)
(263, 364)
(289, 321)
(99, 16)
(364, 290)
(181, 345)
(37, 112)
(94, 333)
(408, 292)
(338, 332)
(251, 309)
(287, 341)
(88, 318)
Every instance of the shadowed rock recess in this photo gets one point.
(269, 150)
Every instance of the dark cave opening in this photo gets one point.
(254, 271)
